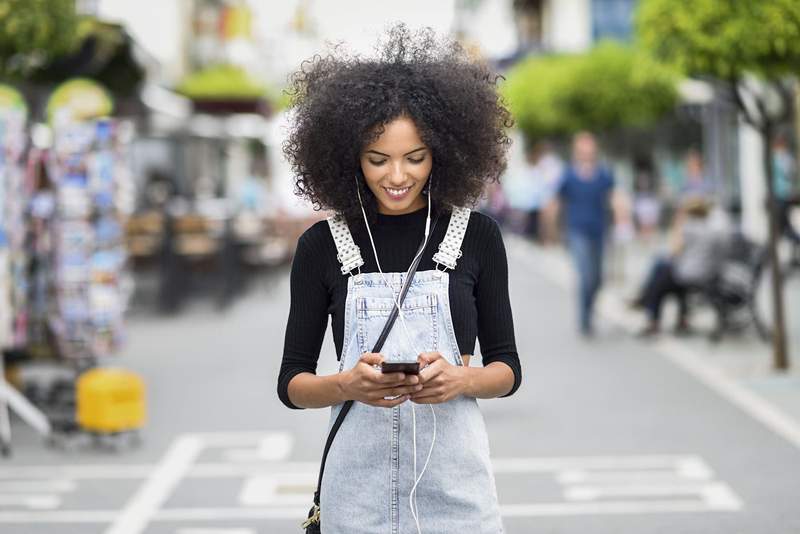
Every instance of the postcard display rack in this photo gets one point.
(69, 225)
(13, 200)
(93, 186)
(14, 259)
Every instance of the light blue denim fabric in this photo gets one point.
(587, 254)
(369, 471)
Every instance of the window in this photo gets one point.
(612, 19)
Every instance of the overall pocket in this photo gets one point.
(416, 330)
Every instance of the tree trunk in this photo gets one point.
(779, 347)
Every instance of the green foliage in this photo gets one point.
(609, 87)
(723, 38)
(227, 82)
(32, 32)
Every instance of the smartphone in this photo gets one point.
(409, 368)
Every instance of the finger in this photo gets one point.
(412, 380)
(393, 392)
(429, 393)
(390, 379)
(432, 371)
(371, 358)
(427, 358)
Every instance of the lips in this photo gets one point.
(397, 194)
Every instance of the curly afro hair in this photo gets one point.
(342, 102)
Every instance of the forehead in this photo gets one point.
(398, 135)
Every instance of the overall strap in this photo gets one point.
(450, 247)
(347, 252)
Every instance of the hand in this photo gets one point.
(364, 383)
(441, 380)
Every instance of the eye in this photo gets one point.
(376, 163)
(417, 160)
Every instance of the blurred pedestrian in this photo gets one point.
(697, 248)
(373, 141)
(646, 202)
(695, 182)
(585, 193)
(544, 172)
(787, 196)
(494, 203)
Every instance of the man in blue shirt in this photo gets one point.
(585, 193)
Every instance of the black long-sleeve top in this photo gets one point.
(478, 289)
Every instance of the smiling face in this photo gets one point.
(396, 167)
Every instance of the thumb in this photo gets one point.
(371, 358)
(426, 358)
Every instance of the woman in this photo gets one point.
(380, 142)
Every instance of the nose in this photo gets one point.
(397, 176)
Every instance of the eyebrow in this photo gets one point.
(406, 154)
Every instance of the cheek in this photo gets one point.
(425, 168)
(372, 176)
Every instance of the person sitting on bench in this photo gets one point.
(696, 249)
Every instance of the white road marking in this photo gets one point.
(707, 492)
(687, 476)
(76, 472)
(748, 401)
(621, 477)
(539, 464)
(721, 497)
(298, 513)
(215, 531)
(156, 490)
(258, 491)
(34, 502)
(604, 508)
(228, 470)
(557, 269)
(59, 516)
(61, 486)
(278, 489)
(271, 448)
(239, 439)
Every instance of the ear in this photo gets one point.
(427, 188)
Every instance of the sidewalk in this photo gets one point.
(743, 362)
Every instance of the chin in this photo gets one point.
(391, 206)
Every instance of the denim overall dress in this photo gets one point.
(369, 472)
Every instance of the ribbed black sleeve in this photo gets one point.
(478, 291)
(308, 317)
(493, 305)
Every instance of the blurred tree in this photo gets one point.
(224, 88)
(32, 32)
(609, 87)
(752, 47)
(105, 53)
(221, 82)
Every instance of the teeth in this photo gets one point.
(396, 192)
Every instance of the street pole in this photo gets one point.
(797, 121)
(779, 348)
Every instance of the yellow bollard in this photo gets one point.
(110, 400)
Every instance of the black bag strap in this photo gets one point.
(377, 348)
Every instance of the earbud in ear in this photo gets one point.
(427, 189)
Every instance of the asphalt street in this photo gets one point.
(606, 436)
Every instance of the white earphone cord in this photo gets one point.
(412, 500)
